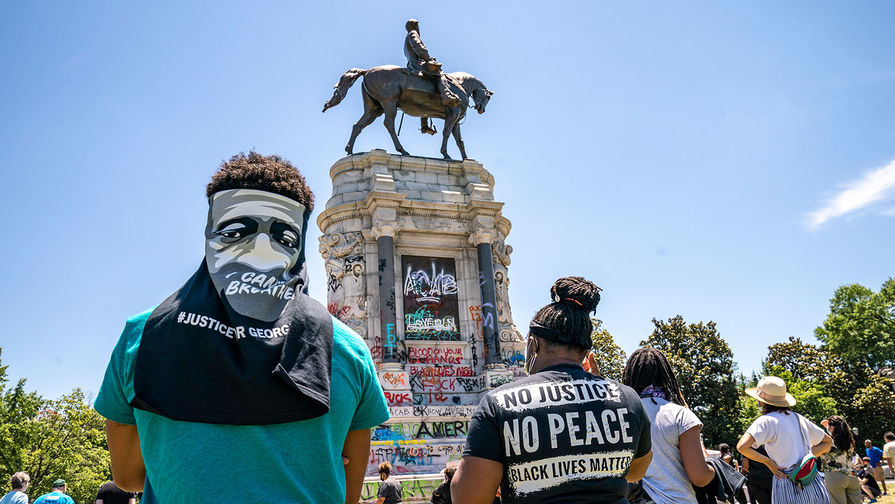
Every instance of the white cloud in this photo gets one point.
(873, 187)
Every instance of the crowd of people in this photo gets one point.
(645, 420)
(239, 375)
(108, 493)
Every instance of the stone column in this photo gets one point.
(489, 297)
(387, 316)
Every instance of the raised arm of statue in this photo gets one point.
(417, 45)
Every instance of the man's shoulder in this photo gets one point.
(347, 342)
(133, 326)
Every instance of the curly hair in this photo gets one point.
(566, 321)
(264, 173)
(841, 433)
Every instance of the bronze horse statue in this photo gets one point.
(389, 88)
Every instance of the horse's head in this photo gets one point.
(481, 96)
(475, 89)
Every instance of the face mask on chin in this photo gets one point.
(530, 355)
(253, 250)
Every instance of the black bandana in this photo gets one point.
(201, 359)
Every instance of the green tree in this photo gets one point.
(747, 407)
(609, 356)
(863, 396)
(704, 366)
(51, 439)
(861, 325)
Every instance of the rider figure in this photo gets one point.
(421, 63)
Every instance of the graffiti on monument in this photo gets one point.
(426, 456)
(430, 299)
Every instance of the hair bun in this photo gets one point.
(576, 292)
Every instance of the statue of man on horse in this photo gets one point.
(420, 89)
(419, 62)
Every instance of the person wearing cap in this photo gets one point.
(562, 434)
(57, 496)
(787, 437)
(19, 482)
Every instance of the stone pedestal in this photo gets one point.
(412, 247)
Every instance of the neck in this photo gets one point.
(554, 360)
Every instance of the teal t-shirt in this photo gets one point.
(54, 498)
(289, 462)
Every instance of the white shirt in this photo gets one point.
(665, 480)
(781, 435)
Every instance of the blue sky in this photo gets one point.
(723, 161)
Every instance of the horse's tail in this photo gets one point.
(343, 86)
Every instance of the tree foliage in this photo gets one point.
(862, 395)
(861, 325)
(52, 439)
(704, 366)
(609, 356)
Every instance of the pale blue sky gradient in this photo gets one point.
(671, 152)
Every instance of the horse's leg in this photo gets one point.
(372, 110)
(459, 139)
(450, 120)
(391, 111)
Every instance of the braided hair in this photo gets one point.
(841, 433)
(649, 366)
(566, 321)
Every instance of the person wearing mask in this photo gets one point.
(442, 494)
(19, 483)
(788, 437)
(869, 486)
(562, 434)
(239, 371)
(678, 454)
(839, 474)
(390, 488)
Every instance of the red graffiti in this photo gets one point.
(339, 313)
(397, 398)
(429, 355)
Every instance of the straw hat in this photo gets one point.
(772, 390)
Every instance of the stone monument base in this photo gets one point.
(417, 263)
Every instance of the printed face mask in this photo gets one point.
(252, 250)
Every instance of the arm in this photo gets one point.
(822, 447)
(419, 48)
(638, 467)
(132, 500)
(357, 451)
(744, 446)
(692, 455)
(476, 481)
(745, 465)
(100, 501)
(128, 471)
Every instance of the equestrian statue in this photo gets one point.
(420, 89)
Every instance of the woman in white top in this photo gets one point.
(678, 454)
(787, 437)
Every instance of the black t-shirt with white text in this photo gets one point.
(562, 435)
